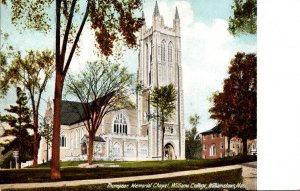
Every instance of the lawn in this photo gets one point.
(191, 182)
(71, 172)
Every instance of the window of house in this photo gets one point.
(120, 124)
(212, 150)
(170, 51)
(221, 155)
(204, 147)
(221, 145)
(163, 51)
(63, 140)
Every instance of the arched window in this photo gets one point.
(84, 148)
(63, 140)
(76, 138)
(116, 149)
(120, 124)
(163, 51)
(170, 51)
(71, 140)
(98, 149)
(212, 150)
(130, 150)
(144, 150)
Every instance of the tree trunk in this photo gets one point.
(244, 146)
(90, 148)
(55, 171)
(162, 138)
(35, 138)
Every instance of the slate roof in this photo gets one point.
(216, 129)
(99, 139)
(71, 112)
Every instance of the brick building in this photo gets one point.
(215, 145)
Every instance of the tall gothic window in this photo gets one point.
(163, 51)
(63, 140)
(120, 124)
(170, 51)
(116, 149)
(76, 138)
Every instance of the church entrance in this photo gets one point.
(84, 148)
(169, 152)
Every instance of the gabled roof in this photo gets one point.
(99, 139)
(216, 129)
(71, 112)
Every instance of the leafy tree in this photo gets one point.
(244, 17)
(192, 143)
(101, 88)
(33, 73)
(20, 122)
(235, 107)
(5, 52)
(111, 20)
(163, 98)
(45, 130)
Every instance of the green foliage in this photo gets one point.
(7, 159)
(192, 143)
(101, 79)
(164, 99)
(111, 20)
(32, 72)
(101, 88)
(20, 121)
(45, 130)
(244, 18)
(194, 120)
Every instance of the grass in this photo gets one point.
(71, 172)
(201, 181)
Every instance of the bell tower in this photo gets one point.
(160, 65)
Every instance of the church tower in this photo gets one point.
(160, 65)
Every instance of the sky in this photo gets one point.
(207, 48)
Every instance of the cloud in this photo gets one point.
(206, 53)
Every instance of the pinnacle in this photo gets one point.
(156, 10)
(176, 14)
